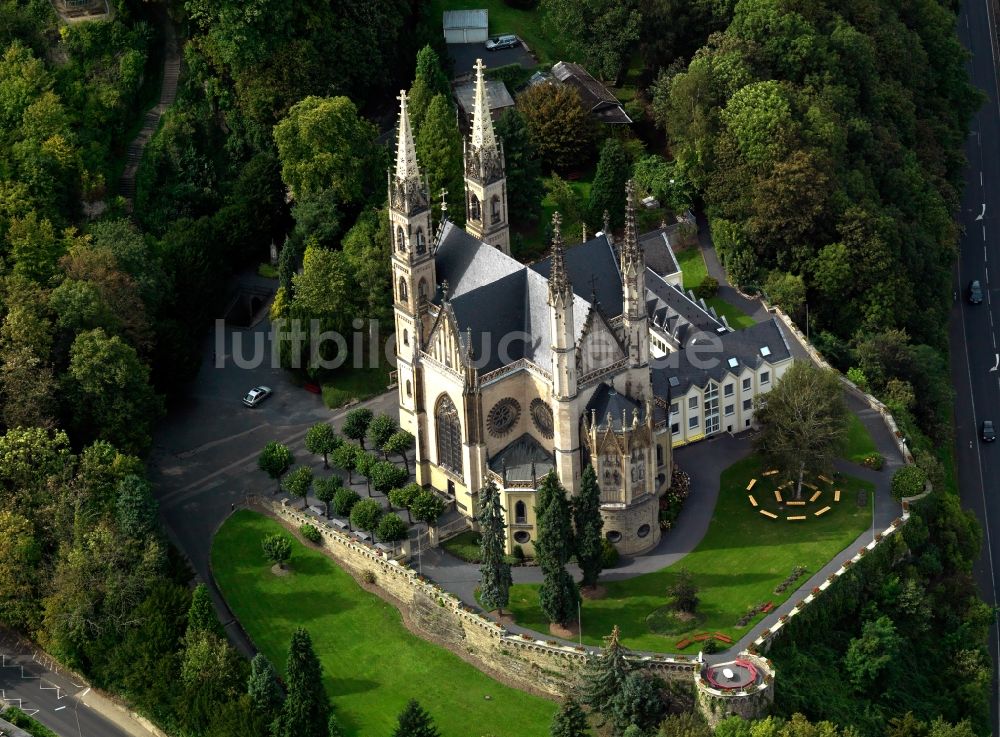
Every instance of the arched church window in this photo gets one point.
(474, 209)
(409, 388)
(422, 289)
(495, 209)
(400, 238)
(520, 514)
(449, 434)
(402, 289)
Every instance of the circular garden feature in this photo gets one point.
(776, 499)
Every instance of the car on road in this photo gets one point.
(989, 433)
(975, 292)
(501, 42)
(256, 395)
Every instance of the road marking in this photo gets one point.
(997, 364)
(59, 708)
(87, 691)
(983, 213)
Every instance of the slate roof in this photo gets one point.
(465, 19)
(676, 373)
(596, 97)
(671, 310)
(606, 400)
(497, 97)
(517, 458)
(591, 267)
(659, 250)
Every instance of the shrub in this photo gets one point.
(368, 576)
(874, 461)
(708, 288)
(908, 481)
(609, 555)
(310, 533)
(344, 501)
(517, 552)
(710, 646)
(391, 528)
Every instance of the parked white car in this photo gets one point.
(256, 395)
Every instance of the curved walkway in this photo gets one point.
(168, 92)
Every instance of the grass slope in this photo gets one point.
(372, 664)
(859, 443)
(742, 557)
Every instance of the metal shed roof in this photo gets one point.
(466, 19)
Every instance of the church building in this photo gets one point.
(508, 371)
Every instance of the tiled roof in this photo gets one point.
(658, 250)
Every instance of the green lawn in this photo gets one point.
(503, 19)
(742, 557)
(692, 267)
(372, 664)
(737, 318)
(464, 546)
(859, 442)
(346, 383)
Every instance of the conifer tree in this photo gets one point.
(558, 595)
(522, 167)
(201, 613)
(430, 80)
(265, 692)
(439, 150)
(608, 191)
(605, 675)
(495, 579)
(569, 721)
(306, 711)
(589, 527)
(415, 722)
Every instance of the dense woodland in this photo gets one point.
(822, 139)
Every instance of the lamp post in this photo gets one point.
(579, 620)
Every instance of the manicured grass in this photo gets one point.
(692, 267)
(503, 19)
(465, 546)
(371, 663)
(742, 557)
(737, 318)
(347, 383)
(859, 443)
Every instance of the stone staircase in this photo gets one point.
(168, 93)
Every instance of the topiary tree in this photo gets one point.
(321, 439)
(297, 483)
(589, 528)
(400, 442)
(274, 460)
(326, 489)
(366, 514)
(494, 572)
(345, 456)
(427, 507)
(391, 528)
(403, 497)
(380, 429)
(356, 424)
(344, 500)
(277, 549)
(908, 481)
(387, 476)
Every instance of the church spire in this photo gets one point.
(560, 290)
(406, 151)
(483, 137)
(631, 254)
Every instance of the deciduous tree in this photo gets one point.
(326, 489)
(298, 482)
(356, 424)
(558, 125)
(380, 429)
(277, 548)
(391, 528)
(322, 439)
(366, 514)
(400, 442)
(275, 459)
(427, 506)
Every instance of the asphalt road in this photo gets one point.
(975, 328)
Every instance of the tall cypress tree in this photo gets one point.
(306, 711)
(558, 595)
(263, 687)
(495, 579)
(415, 722)
(522, 166)
(430, 80)
(589, 527)
(439, 150)
(608, 191)
(201, 613)
(605, 675)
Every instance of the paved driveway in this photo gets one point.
(464, 57)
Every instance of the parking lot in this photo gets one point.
(464, 56)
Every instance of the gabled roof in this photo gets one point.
(659, 251)
(669, 307)
(596, 97)
(592, 267)
(520, 457)
(498, 98)
(465, 19)
(607, 400)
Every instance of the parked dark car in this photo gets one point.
(975, 292)
(989, 433)
(501, 42)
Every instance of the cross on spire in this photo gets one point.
(444, 202)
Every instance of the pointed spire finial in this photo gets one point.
(482, 124)
(559, 285)
(444, 290)
(631, 240)
(406, 152)
(444, 202)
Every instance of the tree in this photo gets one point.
(439, 151)
(306, 711)
(366, 463)
(415, 722)
(522, 166)
(201, 613)
(356, 424)
(265, 691)
(321, 439)
(600, 32)
(558, 125)
(326, 489)
(640, 702)
(558, 595)
(569, 721)
(403, 498)
(400, 442)
(430, 80)
(391, 528)
(427, 506)
(787, 291)
(277, 548)
(275, 459)
(804, 422)
(683, 592)
(380, 429)
(366, 514)
(908, 481)
(345, 457)
(136, 508)
(692, 724)
(869, 655)
(589, 527)
(297, 483)
(605, 674)
(344, 500)
(494, 572)
(20, 557)
(323, 143)
(386, 476)
(608, 191)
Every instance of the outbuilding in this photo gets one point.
(466, 26)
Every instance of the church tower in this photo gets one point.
(633, 266)
(413, 277)
(485, 179)
(562, 331)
